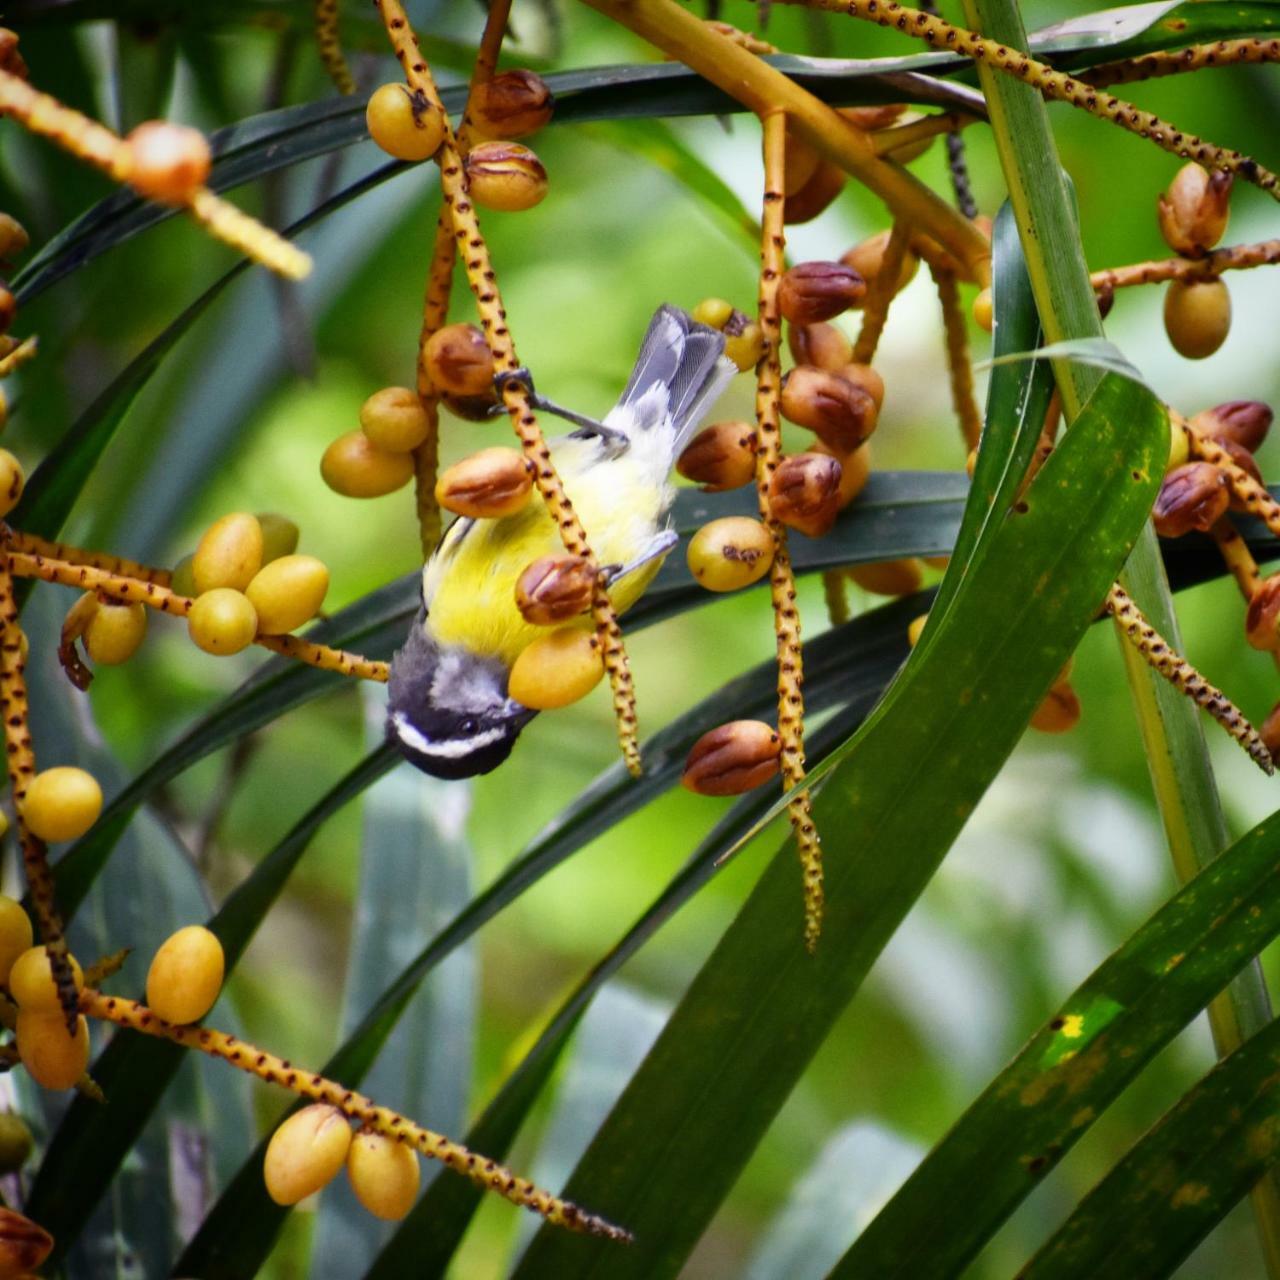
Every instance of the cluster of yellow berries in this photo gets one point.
(183, 982)
(377, 458)
(307, 1151)
(246, 580)
(501, 174)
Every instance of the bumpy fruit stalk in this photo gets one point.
(274, 1070)
(962, 395)
(515, 395)
(22, 767)
(1184, 677)
(329, 43)
(166, 601)
(786, 617)
(1169, 62)
(1253, 496)
(1237, 557)
(98, 146)
(1239, 257)
(881, 290)
(1054, 85)
(17, 540)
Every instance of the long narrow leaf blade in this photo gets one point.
(761, 1006)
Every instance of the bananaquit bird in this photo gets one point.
(448, 710)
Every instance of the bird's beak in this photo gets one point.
(518, 713)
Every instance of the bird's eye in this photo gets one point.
(468, 726)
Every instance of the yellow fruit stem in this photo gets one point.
(22, 768)
(1233, 258)
(24, 351)
(329, 45)
(962, 397)
(274, 1070)
(1054, 85)
(880, 294)
(835, 591)
(763, 88)
(97, 145)
(435, 307)
(74, 626)
(786, 617)
(1237, 557)
(17, 540)
(493, 319)
(1170, 62)
(134, 591)
(903, 135)
(1158, 655)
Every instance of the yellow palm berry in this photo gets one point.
(279, 536)
(31, 981)
(55, 1058)
(167, 162)
(12, 478)
(356, 468)
(395, 420)
(182, 581)
(557, 669)
(713, 311)
(229, 553)
(745, 347)
(222, 621)
(62, 803)
(384, 1174)
(305, 1152)
(114, 632)
(1197, 316)
(729, 553)
(984, 311)
(15, 1149)
(914, 629)
(288, 592)
(185, 975)
(403, 124)
(889, 577)
(16, 935)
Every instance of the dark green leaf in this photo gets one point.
(134, 1070)
(1167, 1194)
(857, 659)
(1034, 1111)
(761, 1005)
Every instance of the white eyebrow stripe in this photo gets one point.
(451, 750)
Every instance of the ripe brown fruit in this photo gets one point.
(804, 492)
(491, 483)
(816, 195)
(822, 345)
(732, 758)
(1192, 497)
(459, 362)
(555, 589)
(24, 1244)
(1244, 422)
(867, 258)
(837, 410)
(1262, 622)
(1193, 212)
(505, 176)
(855, 467)
(811, 292)
(721, 456)
(512, 104)
(1059, 711)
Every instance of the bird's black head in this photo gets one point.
(448, 710)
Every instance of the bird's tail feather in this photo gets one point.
(680, 372)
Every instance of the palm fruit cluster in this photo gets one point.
(245, 580)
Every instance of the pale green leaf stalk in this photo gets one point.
(1177, 756)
